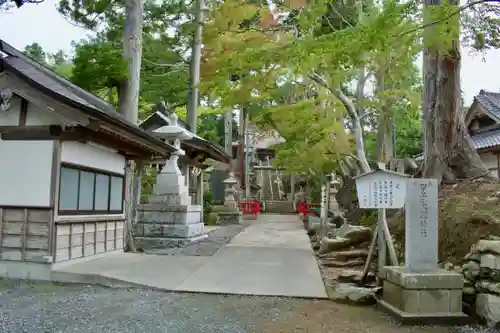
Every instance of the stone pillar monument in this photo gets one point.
(334, 184)
(231, 214)
(169, 219)
(420, 292)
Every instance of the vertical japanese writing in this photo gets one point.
(386, 192)
(391, 193)
(375, 194)
(424, 210)
(380, 192)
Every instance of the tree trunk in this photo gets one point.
(384, 143)
(128, 101)
(194, 68)
(449, 153)
(360, 96)
(128, 97)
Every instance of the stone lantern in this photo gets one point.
(171, 178)
(229, 191)
(334, 188)
(231, 214)
(169, 219)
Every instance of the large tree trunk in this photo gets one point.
(194, 68)
(128, 98)
(449, 153)
(384, 144)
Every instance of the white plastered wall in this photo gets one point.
(26, 166)
(93, 156)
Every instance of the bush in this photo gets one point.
(211, 219)
(207, 203)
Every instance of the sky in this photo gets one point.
(42, 23)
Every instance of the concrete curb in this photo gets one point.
(109, 282)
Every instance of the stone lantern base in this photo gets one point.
(164, 226)
(228, 217)
(430, 297)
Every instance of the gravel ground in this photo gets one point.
(216, 240)
(47, 308)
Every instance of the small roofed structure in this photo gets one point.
(198, 150)
(64, 156)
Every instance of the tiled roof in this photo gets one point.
(49, 82)
(490, 101)
(480, 141)
(486, 139)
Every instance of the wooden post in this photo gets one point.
(324, 208)
(371, 252)
(200, 193)
(381, 244)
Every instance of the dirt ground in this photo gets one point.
(326, 317)
(48, 308)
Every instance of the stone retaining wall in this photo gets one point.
(279, 207)
(481, 272)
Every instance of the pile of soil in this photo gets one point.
(468, 211)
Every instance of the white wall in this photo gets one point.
(37, 116)
(92, 156)
(25, 173)
(11, 117)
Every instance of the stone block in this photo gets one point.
(169, 199)
(183, 231)
(490, 261)
(488, 308)
(436, 279)
(423, 297)
(168, 230)
(146, 243)
(155, 217)
(168, 208)
(393, 294)
(488, 246)
(226, 218)
(186, 217)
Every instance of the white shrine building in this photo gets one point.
(63, 154)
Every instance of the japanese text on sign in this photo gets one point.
(381, 193)
(424, 211)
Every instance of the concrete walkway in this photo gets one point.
(271, 257)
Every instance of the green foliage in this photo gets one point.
(98, 64)
(211, 219)
(36, 52)
(211, 127)
(274, 64)
(58, 62)
(207, 202)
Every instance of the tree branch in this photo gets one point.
(351, 111)
(179, 65)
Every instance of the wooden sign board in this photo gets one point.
(381, 189)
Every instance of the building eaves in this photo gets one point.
(42, 78)
(490, 101)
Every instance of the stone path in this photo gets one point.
(271, 257)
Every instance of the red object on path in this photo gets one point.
(250, 207)
(307, 209)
